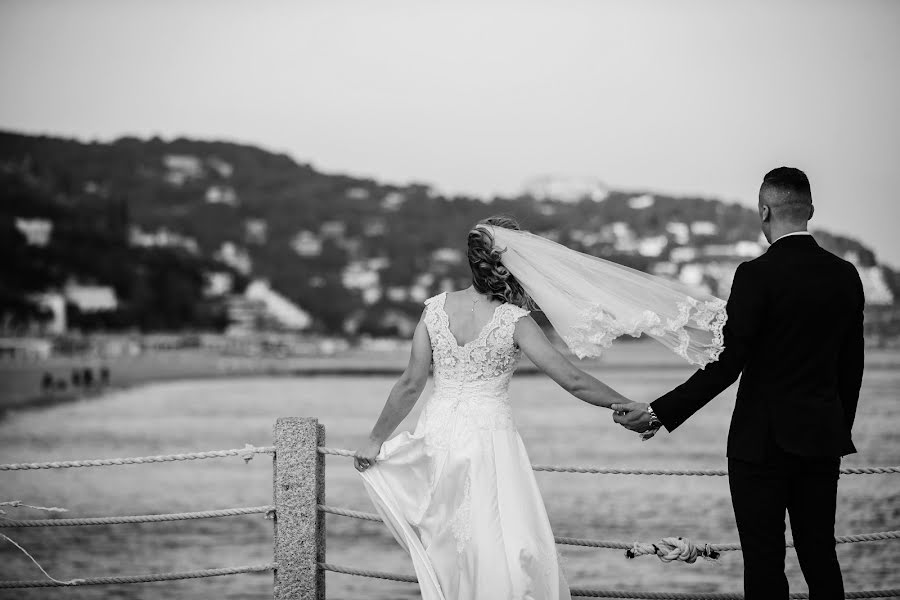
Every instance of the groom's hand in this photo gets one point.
(632, 415)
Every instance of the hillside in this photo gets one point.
(160, 221)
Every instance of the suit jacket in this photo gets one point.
(795, 331)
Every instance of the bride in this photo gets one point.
(459, 493)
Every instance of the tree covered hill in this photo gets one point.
(154, 218)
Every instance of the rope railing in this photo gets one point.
(247, 453)
(668, 472)
(595, 593)
(183, 516)
(138, 578)
(666, 547)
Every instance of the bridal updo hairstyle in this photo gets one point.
(489, 276)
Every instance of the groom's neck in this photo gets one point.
(782, 229)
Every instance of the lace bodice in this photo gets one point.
(471, 381)
(485, 364)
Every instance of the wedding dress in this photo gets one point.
(459, 493)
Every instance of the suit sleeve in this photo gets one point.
(745, 311)
(852, 358)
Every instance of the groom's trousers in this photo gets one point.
(761, 492)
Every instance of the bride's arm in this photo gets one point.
(537, 347)
(402, 398)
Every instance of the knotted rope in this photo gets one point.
(206, 514)
(594, 593)
(668, 472)
(667, 549)
(247, 453)
(671, 549)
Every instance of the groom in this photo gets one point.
(795, 331)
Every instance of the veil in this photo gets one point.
(591, 302)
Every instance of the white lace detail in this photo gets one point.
(461, 525)
(596, 330)
(472, 380)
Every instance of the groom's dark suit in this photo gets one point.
(795, 330)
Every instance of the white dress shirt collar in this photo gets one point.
(793, 233)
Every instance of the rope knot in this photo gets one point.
(672, 549)
(248, 453)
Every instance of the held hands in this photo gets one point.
(365, 456)
(636, 417)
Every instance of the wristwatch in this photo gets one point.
(655, 425)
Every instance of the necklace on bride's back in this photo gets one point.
(476, 300)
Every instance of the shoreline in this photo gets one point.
(20, 380)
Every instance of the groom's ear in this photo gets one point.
(765, 213)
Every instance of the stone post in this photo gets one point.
(299, 482)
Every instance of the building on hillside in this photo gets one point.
(182, 167)
(652, 246)
(161, 238)
(307, 244)
(641, 202)
(286, 313)
(375, 227)
(91, 298)
(393, 201)
(742, 249)
(397, 293)
(218, 283)
(683, 254)
(221, 167)
(704, 228)
(748, 249)
(418, 293)
(711, 277)
(425, 279)
(37, 232)
(378, 263)
(681, 232)
(256, 231)
(358, 276)
(371, 295)
(333, 229)
(447, 256)
(357, 193)
(236, 257)
(261, 308)
(875, 286)
(221, 194)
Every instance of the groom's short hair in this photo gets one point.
(786, 191)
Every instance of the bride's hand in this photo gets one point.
(632, 415)
(365, 456)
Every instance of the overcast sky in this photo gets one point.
(479, 97)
